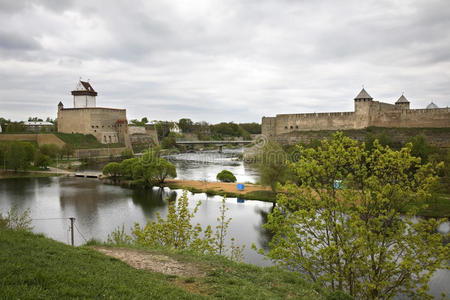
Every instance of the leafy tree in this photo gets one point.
(186, 125)
(43, 160)
(4, 124)
(13, 127)
(66, 150)
(112, 169)
(160, 170)
(126, 167)
(169, 141)
(353, 237)
(34, 119)
(16, 156)
(273, 167)
(126, 153)
(142, 122)
(226, 176)
(421, 148)
(50, 150)
(253, 128)
(15, 220)
(163, 128)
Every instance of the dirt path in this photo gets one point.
(144, 260)
(217, 186)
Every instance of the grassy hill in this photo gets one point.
(84, 141)
(35, 267)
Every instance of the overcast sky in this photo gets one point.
(222, 60)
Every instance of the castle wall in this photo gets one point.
(411, 118)
(108, 125)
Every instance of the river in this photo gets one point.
(100, 208)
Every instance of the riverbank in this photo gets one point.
(27, 174)
(251, 191)
(34, 267)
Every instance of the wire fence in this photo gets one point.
(70, 230)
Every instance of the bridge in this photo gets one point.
(217, 142)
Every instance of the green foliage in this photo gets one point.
(126, 153)
(119, 237)
(15, 127)
(42, 160)
(169, 142)
(126, 167)
(50, 150)
(34, 119)
(226, 176)
(273, 165)
(18, 155)
(15, 220)
(421, 148)
(186, 125)
(177, 231)
(112, 169)
(67, 150)
(252, 128)
(142, 122)
(355, 239)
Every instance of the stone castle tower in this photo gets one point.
(108, 125)
(84, 95)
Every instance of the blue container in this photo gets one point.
(240, 186)
(239, 200)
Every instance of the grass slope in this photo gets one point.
(84, 141)
(35, 267)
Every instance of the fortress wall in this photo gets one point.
(427, 118)
(315, 121)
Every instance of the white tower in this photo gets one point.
(84, 95)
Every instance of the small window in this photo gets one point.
(103, 126)
(292, 127)
(96, 126)
(296, 126)
(95, 130)
(285, 127)
(92, 126)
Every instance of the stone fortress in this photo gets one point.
(108, 125)
(368, 113)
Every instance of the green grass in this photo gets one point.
(35, 267)
(25, 174)
(84, 141)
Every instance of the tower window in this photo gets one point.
(292, 127)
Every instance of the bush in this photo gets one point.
(43, 161)
(126, 153)
(16, 221)
(112, 169)
(226, 176)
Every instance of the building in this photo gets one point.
(367, 113)
(38, 126)
(108, 125)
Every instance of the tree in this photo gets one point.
(43, 160)
(67, 150)
(169, 141)
(273, 167)
(226, 176)
(186, 125)
(34, 119)
(351, 236)
(16, 156)
(421, 148)
(126, 153)
(112, 169)
(51, 150)
(126, 167)
(160, 169)
(15, 127)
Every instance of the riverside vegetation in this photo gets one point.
(35, 267)
(346, 220)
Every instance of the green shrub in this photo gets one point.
(226, 176)
(112, 169)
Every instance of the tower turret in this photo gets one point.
(84, 95)
(363, 101)
(402, 103)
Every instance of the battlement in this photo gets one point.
(367, 113)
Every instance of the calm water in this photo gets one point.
(100, 208)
